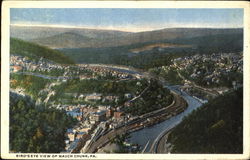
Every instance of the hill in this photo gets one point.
(157, 53)
(35, 32)
(232, 42)
(167, 34)
(36, 129)
(93, 38)
(216, 127)
(34, 51)
(67, 40)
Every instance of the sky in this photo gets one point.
(127, 19)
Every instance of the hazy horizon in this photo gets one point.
(127, 19)
(114, 29)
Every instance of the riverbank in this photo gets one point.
(144, 135)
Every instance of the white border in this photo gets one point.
(121, 4)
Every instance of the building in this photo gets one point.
(79, 117)
(128, 104)
(109, 113)
(80, 135)
(98, 116)
(86, 130)
(118, 115)
(16, 68)
(128, 95)
(76, 114)
(71, 135)
(93, 97)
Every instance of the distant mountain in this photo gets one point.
(35, 32)
(91, 38)
(67, 40)
(167, 34)
(34, 51)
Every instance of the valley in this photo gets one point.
(118, 86)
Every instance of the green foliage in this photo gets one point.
(171, 76)
(225, 79)
(53, 72)
(215, 43)
(36, 129)
(31, 84)
(105, 87)
(34, 51)
(154, 98)
(119, 140)
(216, 127)
(101, 86)
(122, 55)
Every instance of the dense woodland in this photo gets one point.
(35, 52)
(156, 57)
(216, 127)
(121, 56)
(36, 129)
(155, 97)
(31, 84)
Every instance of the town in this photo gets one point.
(99, 112)
(217, 72)
(89, 82)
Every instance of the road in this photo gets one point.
(162, 146)
(124, 69)
(45, 76)
(208, 91)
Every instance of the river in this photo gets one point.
(149, 134)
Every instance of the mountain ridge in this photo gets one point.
(34, 32)
(35, 52)
(67, 39)
(111, 38)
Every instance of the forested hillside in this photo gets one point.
(34, 51)
(216, 127)
(157, 56)
(36, 129)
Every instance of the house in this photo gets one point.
(66, 142)
(75, 114)
(128, 95)
(98, 116)
(86, 129)
(79, 117)
(93, 97)
(80, 135)
(70, 134)
(128, 104)
(102, 108)
(16, 68)
(118, 115)
(109, 113)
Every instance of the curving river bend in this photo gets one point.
(146, 136)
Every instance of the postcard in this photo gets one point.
(125, 80)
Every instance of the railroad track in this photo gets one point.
(178, 105)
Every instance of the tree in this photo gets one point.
(36, 129)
